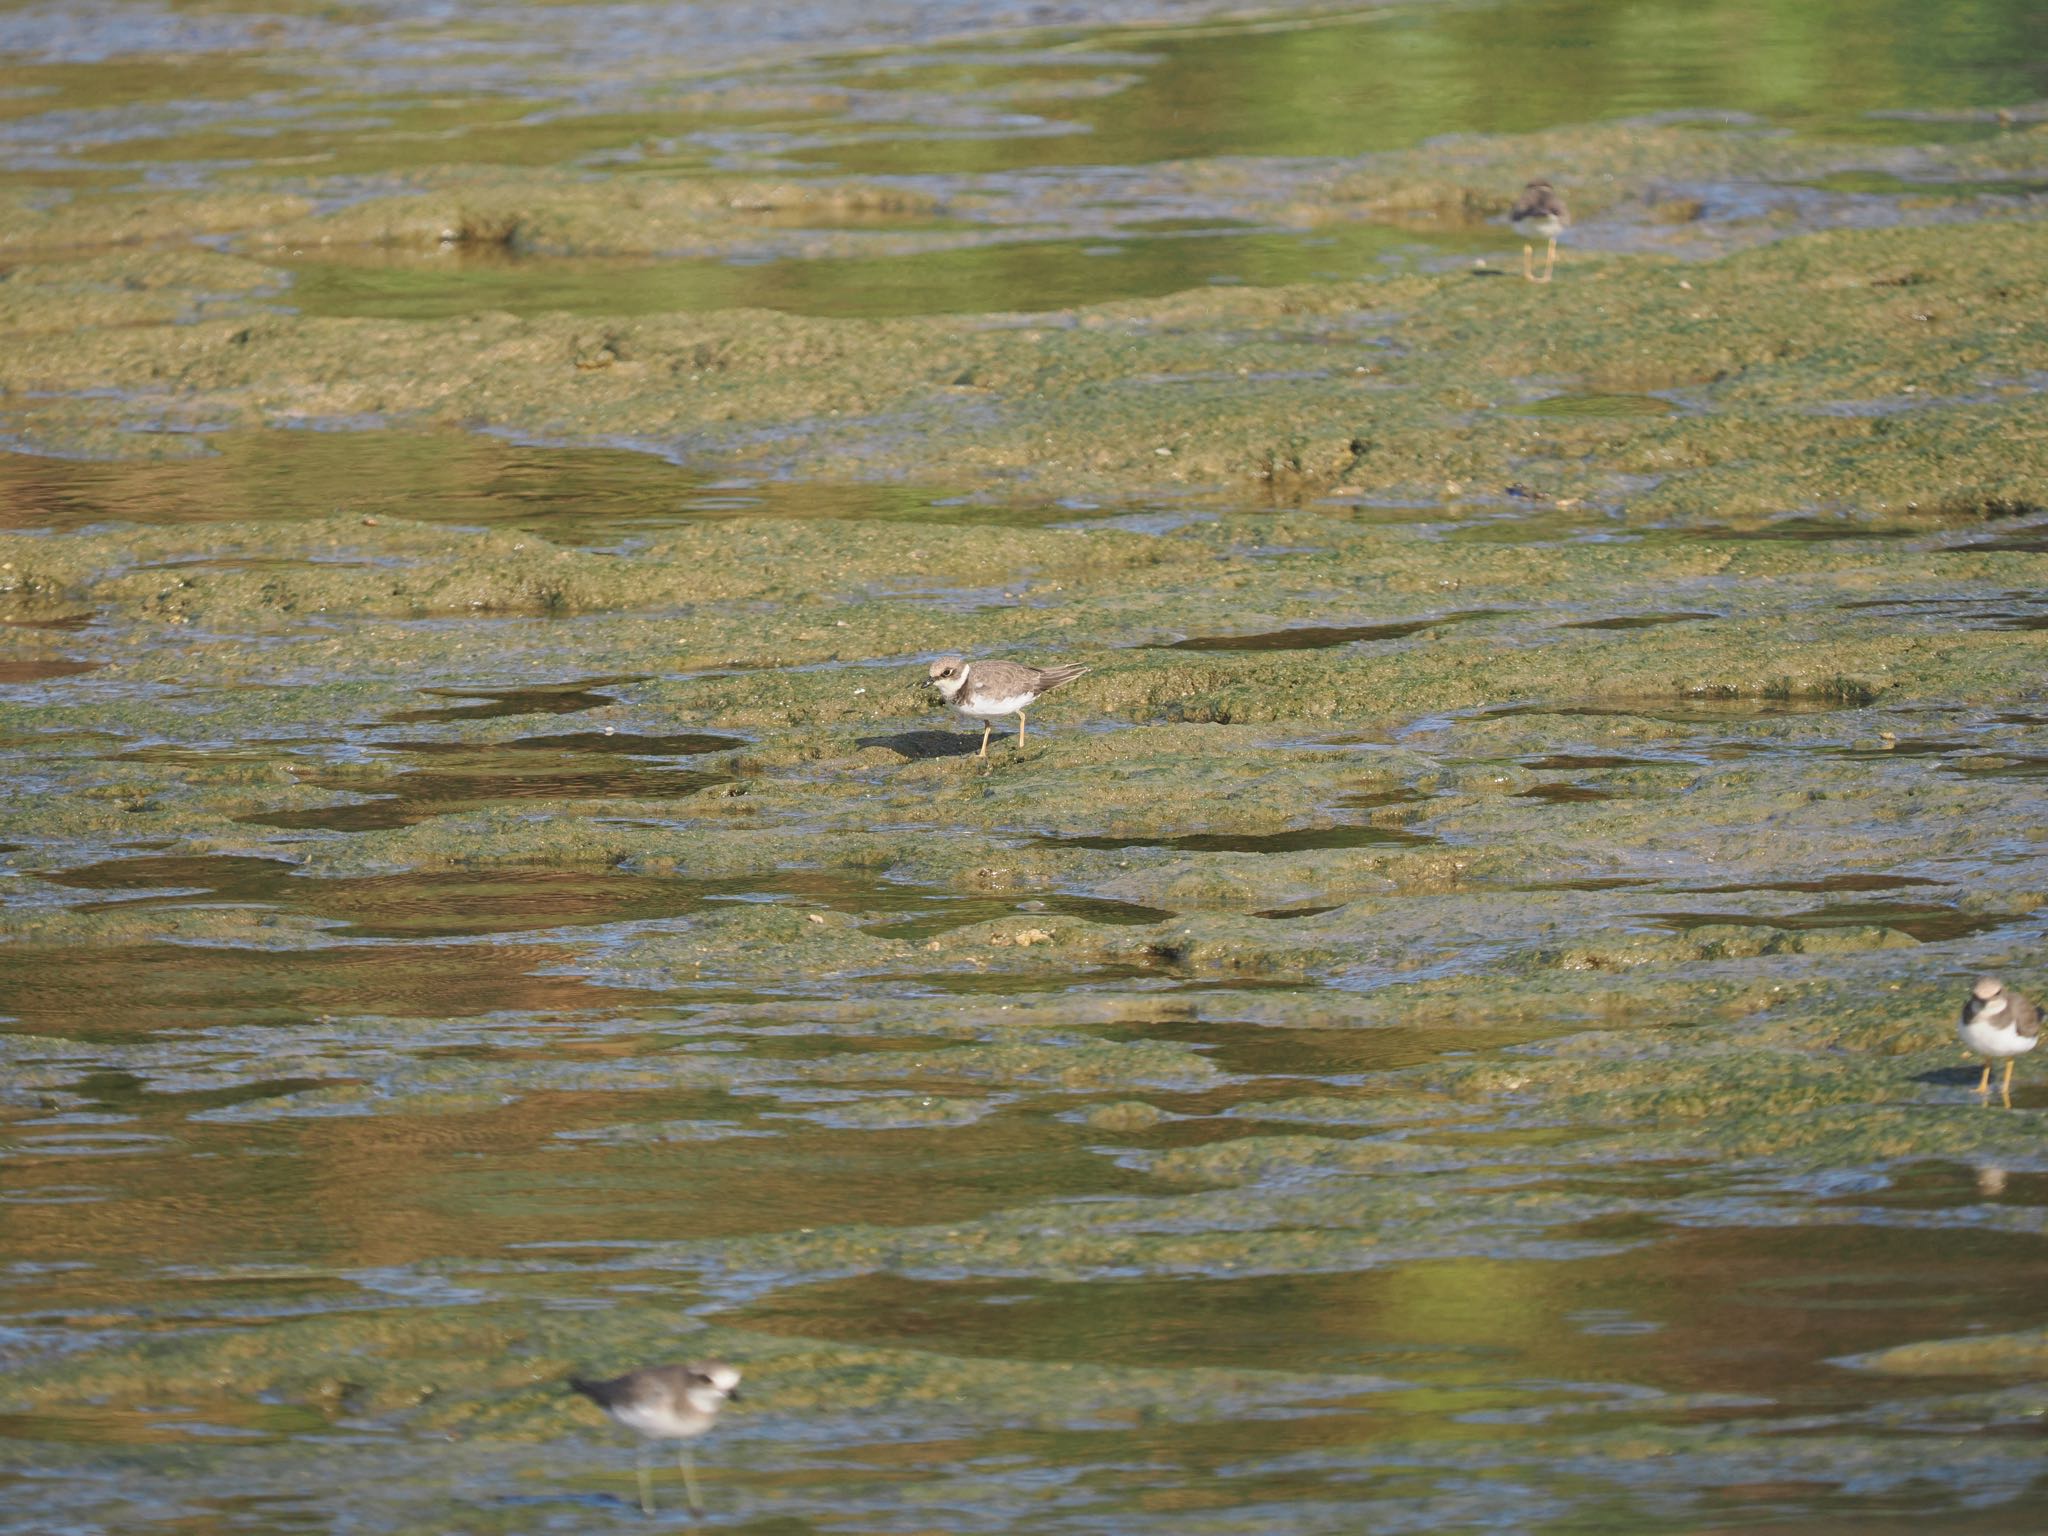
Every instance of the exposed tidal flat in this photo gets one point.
(1448, 1027)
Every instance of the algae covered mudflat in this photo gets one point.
(1447, 1027)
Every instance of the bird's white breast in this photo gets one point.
(987, 708)
(1992, 1034)
(661, 1422)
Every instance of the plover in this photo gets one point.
(1998, 1023)
(1539, 211)
(988, 690)
(666, 1402)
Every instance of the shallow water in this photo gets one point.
(1126, 261)
(581, 496)
(1449, 1027)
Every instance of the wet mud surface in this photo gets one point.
(1448, 1027)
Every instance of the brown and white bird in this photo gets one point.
(666, 1402)
(1998, 1024)
(988, 690)
(1539, 211)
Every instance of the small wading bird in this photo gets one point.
(666, 1402)
(1998, 1024)
(1538, 211)
(988, 690)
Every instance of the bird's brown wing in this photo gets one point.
(1536, 202)
(2026, 1018)
(1002, 679)
(605, 1394)
(650, 1386)
(1049, 678)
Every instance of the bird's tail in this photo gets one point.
(594, 1390)
(1052, 677)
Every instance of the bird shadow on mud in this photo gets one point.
(924, 744)
(1951, 1077)
(611, 1502)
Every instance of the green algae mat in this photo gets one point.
(1448, 1027)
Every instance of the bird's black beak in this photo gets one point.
(733, 1396)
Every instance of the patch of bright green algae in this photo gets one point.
(1993, 1354)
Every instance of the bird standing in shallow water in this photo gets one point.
(666, 1402)
(1539, 211)
(987, 690)
(1998, 1023)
